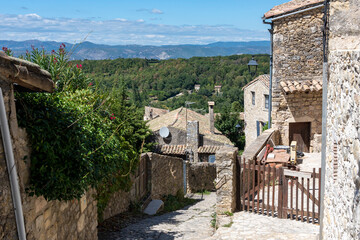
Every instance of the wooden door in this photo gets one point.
(300, 132)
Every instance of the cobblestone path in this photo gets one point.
(249, 226)
(190, 223)
(193, 223)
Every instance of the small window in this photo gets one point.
(253, 98)
(266, 101)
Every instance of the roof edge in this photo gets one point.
(292, 11)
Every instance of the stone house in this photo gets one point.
(197, 87)
(217, 89)
(297, 72)
(256, 107)
(189, 134)
(152, 113)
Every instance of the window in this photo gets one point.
(266, 101)
(253, 98)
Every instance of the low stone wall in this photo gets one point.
(166, 175)
(200, 176)
(120, 201)
(76, 219)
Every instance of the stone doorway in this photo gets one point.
(300, 132)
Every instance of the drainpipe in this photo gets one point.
(324, 113)
(271, 30)
(10, 162)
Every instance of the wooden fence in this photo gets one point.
(279, 192)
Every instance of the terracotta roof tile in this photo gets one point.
(301, 86)
(173, 149)
(181, 149)
(263, 78)
(208, 149)
(291, 6)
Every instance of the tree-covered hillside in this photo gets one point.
(169, 83)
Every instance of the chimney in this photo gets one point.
(192, 138)
(211, 117)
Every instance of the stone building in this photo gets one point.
(256, 107)
(341, 202)
(217, 89)
(297, 72)
(188, 133)
(197, 87)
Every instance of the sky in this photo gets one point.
(143, 22)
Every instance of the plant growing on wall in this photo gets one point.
(79, 136)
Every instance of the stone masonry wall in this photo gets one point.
(256, 112)
(226, 180)
(342, 180)
(75, 219)
(120, 201)
(298, 56)
(299, 107)
(200, 176)
(166, 175)
(298, 46)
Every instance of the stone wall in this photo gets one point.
(200, 176)
(298, 56)
(76, 219)
(256, 112)
(298, 107)
(226, 180)
(166, 175)
(298, 46)
(341, 205)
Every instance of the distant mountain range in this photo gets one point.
(92, 51)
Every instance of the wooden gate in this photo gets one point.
(279, 192)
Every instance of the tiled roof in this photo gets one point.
(263, 78)
(208, 149)
(301, 86)
(25, 74)
(177, 119)
(291, 6)
(173, 149)
(181, 149)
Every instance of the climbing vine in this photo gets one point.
(80, 136)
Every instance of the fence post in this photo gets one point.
(280, 192)
(285, 186)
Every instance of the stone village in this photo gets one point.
(298, 178)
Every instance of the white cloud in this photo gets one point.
(117, 31)
(156, 11)
(151, 11)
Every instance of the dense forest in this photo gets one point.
(170, 83)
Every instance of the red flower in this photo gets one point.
(79, 66)
(55, 60)
(90, 84)
(52, 51)
(4, 49)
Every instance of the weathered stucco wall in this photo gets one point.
(256, 112)
(298, 56)
(200, 176)
(342, 181)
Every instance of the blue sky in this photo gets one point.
(145, 22)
